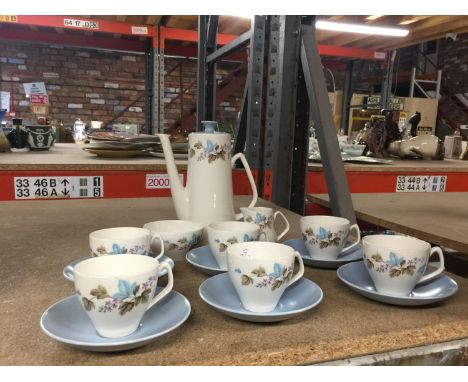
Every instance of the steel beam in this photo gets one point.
(254, 128)
(337, 185)
(347, 94)
(280, 119)
(230, 48)
(149, 86)
(210, 105)
(201, 72)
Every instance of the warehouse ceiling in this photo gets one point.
(422, 28)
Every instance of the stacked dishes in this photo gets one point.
(109, 144)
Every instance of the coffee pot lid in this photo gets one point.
(210, 126)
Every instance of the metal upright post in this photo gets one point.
(338, 190)
(387, 81)
(280, 119)
(254, 127)
(210, 106)
(201, 72)
(149, 86)
(347, 94)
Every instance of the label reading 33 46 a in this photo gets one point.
(51, 187)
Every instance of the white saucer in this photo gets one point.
(68, 270)
(354, 254)
(67, 322)
(218, 292)
(202, 258)
(356, 276)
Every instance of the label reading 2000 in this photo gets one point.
(50, 187)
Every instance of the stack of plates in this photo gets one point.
(108, 144)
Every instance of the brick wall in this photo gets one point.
(453, 58)
(97, 85)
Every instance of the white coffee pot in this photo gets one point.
(207, 196)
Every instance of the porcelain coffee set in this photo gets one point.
(118, 304)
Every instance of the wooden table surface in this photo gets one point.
(437, 217)
(40, 237)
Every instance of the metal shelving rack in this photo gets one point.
(285, 81)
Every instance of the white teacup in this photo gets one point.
(123, 240)
(115, 291)
(325, 236)
(397, 263)
(221, 235)
(179, 236)
(261, 271)
(265, 218)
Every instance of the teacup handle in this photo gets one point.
(251, 181)
(158, 236)
(286, 230)
(300, 272)
(167, 288)
(439, 270)
(358, 231)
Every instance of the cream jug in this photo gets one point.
(208, 195)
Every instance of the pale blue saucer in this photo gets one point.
(356, 276)
(69, 268)
(67, 322)
(354, 254)
(218, 292)
(202, 258)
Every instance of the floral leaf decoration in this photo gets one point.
(192, 152)
(248, 219)
(394, 261)
(101, 249)
(117, 250)
(125, 307)
(323, 233)
(259, 272)
(198, 145)
(259, 218)
(309, 232)
(222, 247)
(88, 304)
(100, 292)
(125, 290)
(209, 146)
(377, 258)
(277, 271)
(232, 240)
(247, 237)
(246, 280)
(237, 270)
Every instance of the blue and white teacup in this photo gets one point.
(222, 235)
(265, 218)
(123, 240)
(116, 291)
(396, 264)
(179, 236)
(325, 236)
(261, 271)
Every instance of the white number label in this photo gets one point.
(154, 181)
(49, 187)
(421, 183)
(81, 24)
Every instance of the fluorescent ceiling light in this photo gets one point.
(374, 17)
(360, 28)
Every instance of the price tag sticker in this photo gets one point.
(421, 183)
(50, 187)
(158, 181)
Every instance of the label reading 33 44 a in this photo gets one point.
(421, 183)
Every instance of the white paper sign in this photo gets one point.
(84, 24)
(34, 88)
(156, 181)
(51, 187)
(139, 30)
(421, 183)
(5, 101)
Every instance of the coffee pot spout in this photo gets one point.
(180, 194)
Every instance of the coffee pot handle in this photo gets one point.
(439, 270)
(251, 180)
(286, 230)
